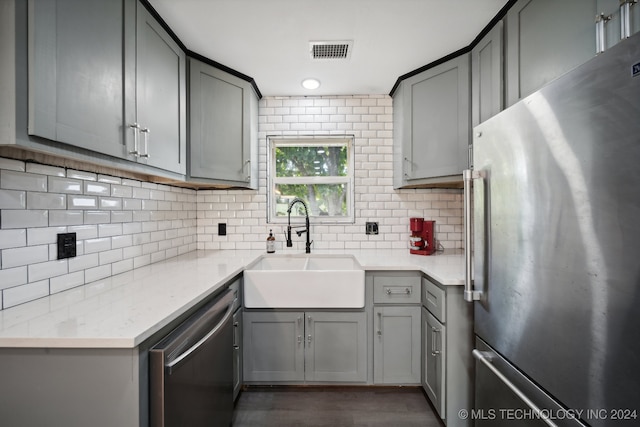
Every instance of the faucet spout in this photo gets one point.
(299, 233)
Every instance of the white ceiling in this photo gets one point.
(269, 39)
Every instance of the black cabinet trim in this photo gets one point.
(501, 14)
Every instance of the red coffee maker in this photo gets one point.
(421, 241)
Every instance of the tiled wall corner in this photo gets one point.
(370, 120)
(120, 224)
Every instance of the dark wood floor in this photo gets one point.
(335, 407)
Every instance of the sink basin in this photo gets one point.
(304, 281)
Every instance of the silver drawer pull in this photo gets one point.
(405, 291)
(434, 341)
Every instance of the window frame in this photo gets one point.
(311, 141)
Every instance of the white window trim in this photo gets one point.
(312, 140)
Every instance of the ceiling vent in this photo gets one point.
(321, 50)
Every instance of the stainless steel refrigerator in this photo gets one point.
(556, 243)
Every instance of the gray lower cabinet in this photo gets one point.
(74, 387)
(447, 342)
(396, 327)
(223, 122)
(296, 347)
(94, 69)
(431, 125)
(396, 346)
(544, 39)
(487, 76)
(434, 343)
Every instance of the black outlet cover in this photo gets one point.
(222, 229)
(66, 245)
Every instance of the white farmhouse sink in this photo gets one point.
(304, 281)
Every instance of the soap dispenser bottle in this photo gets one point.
(271, 243)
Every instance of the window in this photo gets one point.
(317, 170)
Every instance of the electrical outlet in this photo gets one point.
(222, 229)
(371, 228)
(66, 245)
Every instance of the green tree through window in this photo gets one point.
(318, 172)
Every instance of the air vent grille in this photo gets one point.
(330, 50)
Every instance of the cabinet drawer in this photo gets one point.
(396, 290)
(434, 298)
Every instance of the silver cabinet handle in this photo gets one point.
(247, 164)
(405, 291)
(309, 338)
(625, 18)
(468, 176)
(601, 20)
(379, 324)
(485, 358)
(136, 129)
(434, 341)
(235, 334)
(299, 337)
(309, 320)
(145, 131)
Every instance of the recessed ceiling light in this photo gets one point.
(311, 84)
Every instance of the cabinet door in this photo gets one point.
(486, 76)
(160, 95)
(436, 121)
(273, 346)
(237, 352)
(396, 348)
(220, 124)
(434, 337)
(336, 347)
(544, 39)
(76, 80)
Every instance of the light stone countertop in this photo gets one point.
(122, 311)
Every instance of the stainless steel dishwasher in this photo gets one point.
(191, 369)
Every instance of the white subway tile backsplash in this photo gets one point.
(83, 262)
(65, 218)
(97, 273)
(13, 165)
(86, 176)
(96, 217)
(64, 185)
(97, 245)
(10, 277)
(44, 235)
(46, 270)
(13, 199)
(24, 256)
(46, 201)
(110, 203)
(44, 169)
(97, 188)
(12, 180)
(84, 232)
(24, 293)
(23, 218)
(68, 281)
(13, 238)
(82, 202)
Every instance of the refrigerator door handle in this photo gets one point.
(485, 358)
(468, 176)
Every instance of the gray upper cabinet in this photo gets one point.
(431, 125)
(76, 84)
(160, 109)
(487, 76)
(545, 39)
(223, 125)
(95, 69)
